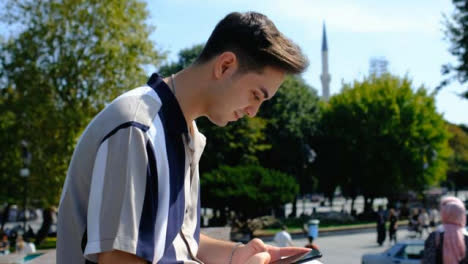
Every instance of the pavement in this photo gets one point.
(337, 246)
(349, 248)
(337, 231)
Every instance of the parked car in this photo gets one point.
(404, 252)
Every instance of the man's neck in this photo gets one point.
(189, 91)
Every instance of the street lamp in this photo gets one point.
(24, 172)
(310, 155)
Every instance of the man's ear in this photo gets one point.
(225, 65)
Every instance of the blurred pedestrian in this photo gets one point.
(283, 238)
(448, 245)
(24, 246)
(434, 218)
(413, 225)
(380, 225)
(311, 243)
(392, 228)
(4, 245)
(423, 220)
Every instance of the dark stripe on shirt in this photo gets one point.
(176, 158)
(175, 126)
(144, 128)
(145, 244)
(169, 257)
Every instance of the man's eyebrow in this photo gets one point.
(265, 93)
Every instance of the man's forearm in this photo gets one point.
(214, 251)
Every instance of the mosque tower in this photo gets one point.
(325, 77)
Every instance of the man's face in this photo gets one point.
(243, 93)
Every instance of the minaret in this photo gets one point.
(325, 77)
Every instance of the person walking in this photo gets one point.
(381, 220)
(448, 244)
(392, 228)
(434, 218)
(424, 221)
(311, 243)
(414, 226)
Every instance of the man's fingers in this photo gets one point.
(277, 252)
(259, 258)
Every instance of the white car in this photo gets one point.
(404, 252)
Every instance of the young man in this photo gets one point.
(132, 190)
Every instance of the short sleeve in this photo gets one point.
(117, 194)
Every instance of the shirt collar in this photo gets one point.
(170, 106)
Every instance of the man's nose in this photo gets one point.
(252, 110)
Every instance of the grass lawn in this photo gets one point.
(48, 243)
(299, 229)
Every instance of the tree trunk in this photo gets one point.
(367, 204)
(5, 215)
(353, 199)
(303, 205)
(46, 224)
(294, 208)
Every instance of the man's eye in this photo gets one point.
(256, 96)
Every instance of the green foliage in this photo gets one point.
(292, 117)
(249, 190)
(456, 31)
(458, 163)
(238, 143)
(186, 58)
(49, 243)
(10, 158)
(384, 137)
(70, 58)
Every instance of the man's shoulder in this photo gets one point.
(139, 105)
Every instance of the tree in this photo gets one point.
(10, 158)
(186, 58)
(386, 137)
(456, 31)
(250, 191)
(236, 144)
(292, 117)
(68, 60)
(325, 166)
(457, 174)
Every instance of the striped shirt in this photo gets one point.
(133, 182)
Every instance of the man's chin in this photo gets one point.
(219, 123)
(222, 124)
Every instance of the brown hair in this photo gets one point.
(256, 42)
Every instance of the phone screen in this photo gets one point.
(300, 258)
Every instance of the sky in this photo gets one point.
(408, 34)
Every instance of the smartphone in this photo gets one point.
(300, 258)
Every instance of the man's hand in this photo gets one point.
(119, 257)
(256, 252)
